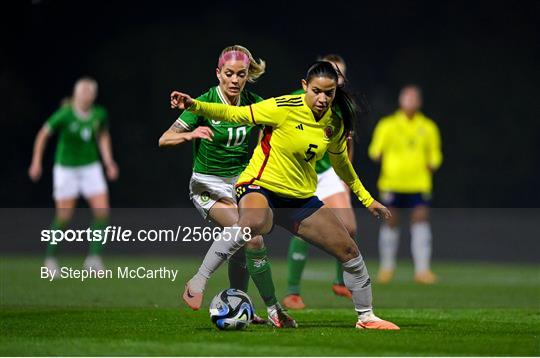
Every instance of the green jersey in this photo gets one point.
(323, 164)
(227, 155)
(77, 136)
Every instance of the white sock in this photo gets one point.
(220, 251)
(421, 246)
(356, 277)
(388, 246)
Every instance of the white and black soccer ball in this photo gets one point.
(231, 309)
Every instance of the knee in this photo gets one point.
(420, 214)
(257, 225)
(256, 243)
(349, 252)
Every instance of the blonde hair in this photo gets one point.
(86, 79)
(255, 69)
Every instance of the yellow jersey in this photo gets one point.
(409, 150)
(293, 141)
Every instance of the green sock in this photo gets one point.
(57, 224)
(339, 274)
(261, 274)
(99, 224)
(296, 261)
(238, 272)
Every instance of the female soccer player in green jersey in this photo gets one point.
(280, 181)
(335, 194)
(221, 153)
(82, 134)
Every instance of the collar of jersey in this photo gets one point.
(222, 97)
(403, 117)
(77, 114)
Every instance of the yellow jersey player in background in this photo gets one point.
(408, 146)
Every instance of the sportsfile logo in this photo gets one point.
(120, 234)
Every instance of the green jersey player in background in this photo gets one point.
(83, 135)
(221, 153)
(335, 194)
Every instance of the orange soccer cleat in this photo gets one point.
(279, 318)
(294, 302)
(370, 321)
(425, 277)
(341, 290)
(385, 276)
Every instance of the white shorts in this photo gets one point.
(328, 184)
(205, 190)
(70, 182)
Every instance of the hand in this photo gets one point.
(34, 172)
(180, 100)
(201, 132)
(379, 210)
(112, 171)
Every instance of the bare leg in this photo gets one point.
(341, 202)
(326, 231)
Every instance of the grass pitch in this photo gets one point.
(476, 309)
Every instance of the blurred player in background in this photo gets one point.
(408, 146)
(83, 134)
(221, 154)
(335, 194)
(278, 185)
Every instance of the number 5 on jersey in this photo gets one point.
(310, 154)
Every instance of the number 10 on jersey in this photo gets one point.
(238, 136)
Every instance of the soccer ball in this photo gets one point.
(231, 310)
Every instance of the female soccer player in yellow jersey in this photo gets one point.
(280, 181)
(408, 145)
(221, 153)
(334, 193)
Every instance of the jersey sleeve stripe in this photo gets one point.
(252, 117)
(289, 100)
(300, 104)
(183, 124)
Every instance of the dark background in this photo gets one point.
(478, 65)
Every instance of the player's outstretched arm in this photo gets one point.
(35, 170)
(177, 134)
(217, 111)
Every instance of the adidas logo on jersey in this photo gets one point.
(300, 126)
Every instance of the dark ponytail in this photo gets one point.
(344, 102)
